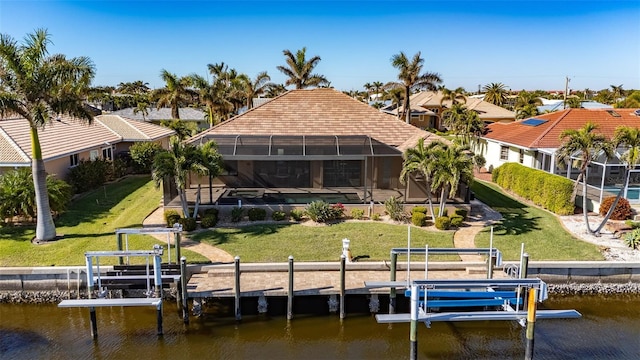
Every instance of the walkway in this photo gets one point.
(481, 216)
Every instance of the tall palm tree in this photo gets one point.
(368, 87)
(39, 87)
(136, 87)
(299, 70)
(377, 86)
(256, 87)
(176, 93)
(617, 92)
(420, 160)
(143, 108)
(179, 160)
(588, 145)
(464, 123)
(274, 90)
(455, 96)
(396, 95)
(411, 78)
(495, 93)
(527, 111)
(453, 163)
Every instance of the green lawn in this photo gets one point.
(89, 225)
(543, 236)
(274, 243)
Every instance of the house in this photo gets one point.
(534, 142)
(556, 105)
(65, 141)
(155, 116)
(427, 108)
(318, 142)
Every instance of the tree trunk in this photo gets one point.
(433, 215)
(575, 187)
(195, 209)
(584, 206)
(45, 228)
(613, 206)
(407, 107)
(183, 202)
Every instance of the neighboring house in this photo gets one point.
(533, 142)
(316, 139)
(65, 141)
(557, 105)
(157, 115)
(427, 108)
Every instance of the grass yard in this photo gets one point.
(89, 225)
(541, 232)
(275, 242)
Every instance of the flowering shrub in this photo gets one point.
(320, 211)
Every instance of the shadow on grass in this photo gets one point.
(98, 202)
(516, 216)
(224, 235)
(17, 232)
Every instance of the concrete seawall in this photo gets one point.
(73, 278)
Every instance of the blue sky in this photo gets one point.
(523, 44)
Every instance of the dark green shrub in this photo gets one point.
(142, 154)
(188, 224)
(622, 211)
(321, 211)
(88, 175)
(461, 212)
(420, 209)
(278, 215)
(297, 214)
(632, 239)
(375, 217)
(257, 214)
(418, 218)
(394, 209)
(208, 221)
(357, 213)
(209, 212)
(443, 223)
(236, 214)
(444, 213)
(18, 197)
(456, 220)
(171, 217)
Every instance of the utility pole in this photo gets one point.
(566, 89)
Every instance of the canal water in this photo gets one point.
(609, 329)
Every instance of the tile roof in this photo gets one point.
(187, 114)
(320, 112)
(131, 130)
(547, 135)
(69, 135)
(10, 152)
(485, 110)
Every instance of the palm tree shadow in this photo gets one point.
(515, 217)
(223, 237)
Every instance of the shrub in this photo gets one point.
(394, 209)
(456, 220)
(236, 214)
(297, 214)
(211, 211)
(188, 224)
(632, 239)
(419, 209)
(142, 154)
(278, 215)
(208, 221)
(257, 214)
(633, 224)
(622, 211)
(375, 217)
(444, 213)
(418, 218)
(321, 211)
(357, 213)
(461, 212)
(88, 175)
(171, 217)
(443, 223)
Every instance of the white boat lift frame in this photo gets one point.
(176, 230)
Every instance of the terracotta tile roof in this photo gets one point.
(320, 112)
(10, 152)
(131, 130)
(547, 135)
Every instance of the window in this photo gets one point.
(107, 153)
(73, 160)
(521, 156)
(93, 155)
(504, 153)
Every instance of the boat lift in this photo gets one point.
(176, 230)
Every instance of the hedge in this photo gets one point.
(550, 191)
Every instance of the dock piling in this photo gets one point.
(413, 335)
(392, 277)
(183, 289)
(237, 287)
(343, 260)
(531, 323)
(290, 292)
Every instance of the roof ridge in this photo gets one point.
(107, 127)
(14, 145)
(125, 120)
(553, 125)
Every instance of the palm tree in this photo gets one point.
(495, 93)
(142, 107)
(132, 88)
(377, 86)
(411, 78)
(527, 111)
(38, 88)
(274, 90)
(175, 94)
(453, 96)
(299, 70)
(589, 145)
(396, 95)
(617, 91)
(464, 123)
(453, 163)
(179, 160)
(256, 87)
(421, 161)
(368, 87)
